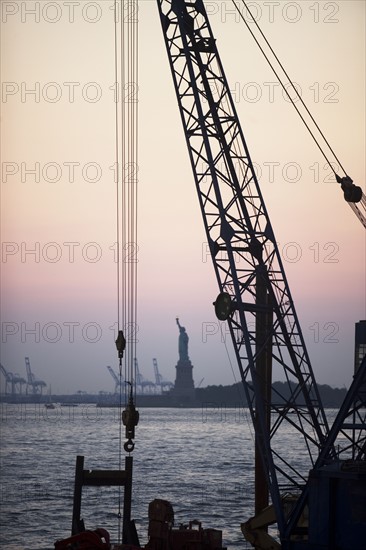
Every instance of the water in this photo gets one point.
(201, 460)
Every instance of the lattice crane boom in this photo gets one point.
(354, 196)
(254, 294)
(360, 210)
(254, 297)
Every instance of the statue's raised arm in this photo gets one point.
(182, 342)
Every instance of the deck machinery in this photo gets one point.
(326, 508)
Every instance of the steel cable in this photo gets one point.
(291, 84)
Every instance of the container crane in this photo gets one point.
(18, 382)
(119, 382)
(159, 380)
(141, 381)
(255, 299)
(34, 383)
(8, 380)
(14, 381)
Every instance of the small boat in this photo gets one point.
(49, 404)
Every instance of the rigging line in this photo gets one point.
(134, 27)
(132, 58)
(126, 143)
(123, 160)
(358, 212)
(294, 88)
(285, 89)
(120, 452)
(133, 190)
(128, 62)
(118, 257)
(135, 98)
(131, 208)
(131, 181)
(117, 162)
(126, 176)
(245, 413)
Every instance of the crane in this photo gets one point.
(159, 380)
(18, 382)
(255, 299)
(8, 380)
(141, 381)
(15, 381)
(118, 381)
(34, 383)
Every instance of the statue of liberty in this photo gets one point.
(182, 343)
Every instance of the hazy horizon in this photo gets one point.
(58, 270)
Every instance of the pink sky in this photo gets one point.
(65, 289)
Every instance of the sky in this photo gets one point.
(58, 202)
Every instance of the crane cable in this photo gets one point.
(118, 266)
(352, 193)
(291, 84)
(126, 139)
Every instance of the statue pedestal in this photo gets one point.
(184, 385)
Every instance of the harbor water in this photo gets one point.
(201, 460)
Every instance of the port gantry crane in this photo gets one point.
(255, 300)
(159, 380)
(14, 381)
(141, 381)
(119, 382)
(34, 383)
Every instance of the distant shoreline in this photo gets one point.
(228, 396)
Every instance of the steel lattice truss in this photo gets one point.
(346, 441)
(243, 250)
(347, 438)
